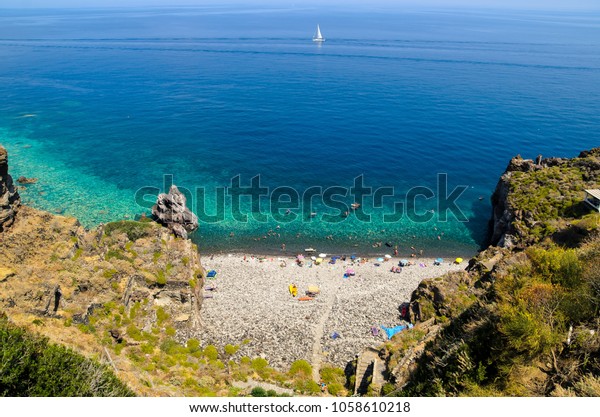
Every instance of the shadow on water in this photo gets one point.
(479, 225)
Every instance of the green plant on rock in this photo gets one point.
(211, 352)
(193, 345)
(300, 368)
(231, 350)
(161, 277)
(259, 364)
(258, 392)
(133, 229)
(161, 316)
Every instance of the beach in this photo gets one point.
(248, 304)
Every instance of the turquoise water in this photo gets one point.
(98, 104)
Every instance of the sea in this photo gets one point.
(419, 109)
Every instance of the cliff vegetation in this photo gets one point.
(524, 318)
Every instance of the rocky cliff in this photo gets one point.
(102, 292)
(9, 196)
(523, 318)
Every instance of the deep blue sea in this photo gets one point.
(98, 104)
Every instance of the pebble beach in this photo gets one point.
(249, 304)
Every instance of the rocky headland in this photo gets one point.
(523, 319)
(533, 198)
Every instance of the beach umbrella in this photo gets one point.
(379, 259)
(300, 257)
(403, 262)
(314, 258)
(353, 257)
(388, 256)
(322, 255)
(458, 260)
(349, 271)
(318, 261)
(439, 261)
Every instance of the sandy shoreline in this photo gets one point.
(252, 307)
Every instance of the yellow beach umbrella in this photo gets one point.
(458, 260)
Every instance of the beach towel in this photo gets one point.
(391, 331)
(211, 274)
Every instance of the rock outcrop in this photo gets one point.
(171, 211)
(532, 196)
(9, 197)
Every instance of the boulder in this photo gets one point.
(171, 211)
(9, 196)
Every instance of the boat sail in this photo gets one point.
(318, 37)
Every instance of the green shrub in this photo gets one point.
(134, 333)
(33, 367)
(330, 375)
(258, 392)
(301, 368)
(387, 389)
(211, 352)
(161, 316)
(559, 266)
(161, 278)
(307, 386)
(156, 256)
(147, 348)
(231, 350)
(193, 345)
(171, 347)
(77, 254)
(336, 389)
(117, 254)
(259, 364)
(109, 273)
(133, 229)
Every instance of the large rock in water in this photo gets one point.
(170, 210)
(9, 197)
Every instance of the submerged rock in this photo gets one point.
(9, 196)
(171, 211)
(25, 180)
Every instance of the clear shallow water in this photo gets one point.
(98, 104)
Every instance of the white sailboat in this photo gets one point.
(318, 37)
